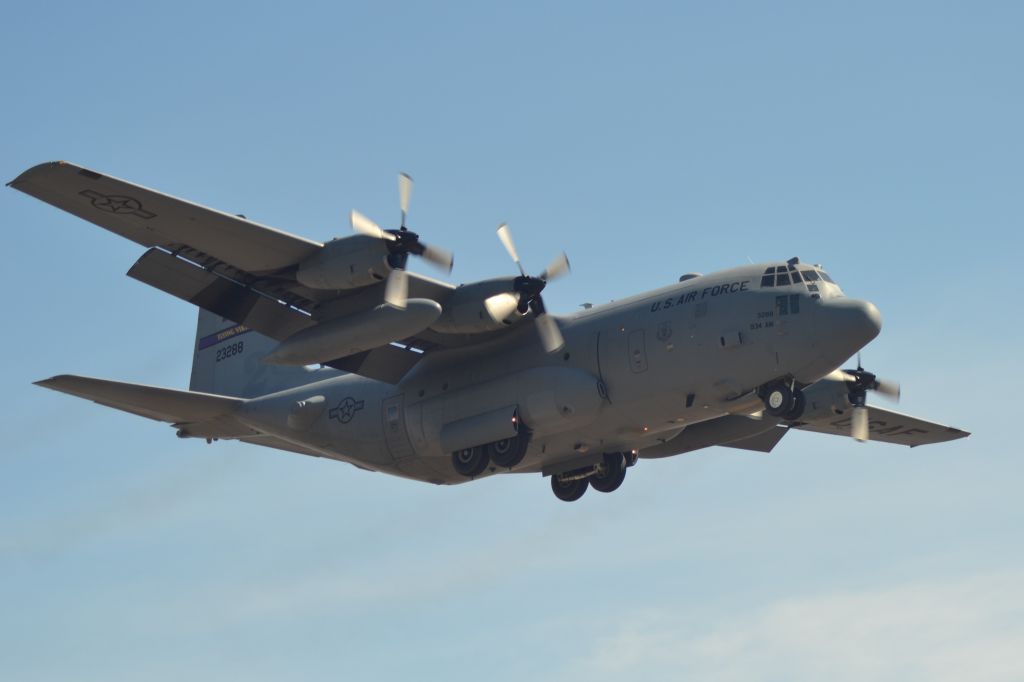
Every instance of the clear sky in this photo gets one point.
(883, 140)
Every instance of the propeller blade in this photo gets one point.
(500, 306)
(396, 290)
(506, 238)
(438, 256)
(404, 192)
(889, 389)
(364, 225)
(556, 269)
(859, 423)
(550, 334)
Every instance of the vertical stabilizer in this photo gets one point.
(228, 360)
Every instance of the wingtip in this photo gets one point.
(34, 170)
(50, 382)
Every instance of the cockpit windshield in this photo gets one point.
(783, 275)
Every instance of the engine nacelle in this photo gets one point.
(826, 398)
(346, 263)
(353, 334)
(464, 311)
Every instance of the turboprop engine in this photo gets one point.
(346, 263)
(352, 334)
(466, 310)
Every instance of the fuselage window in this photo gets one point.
(794, 304)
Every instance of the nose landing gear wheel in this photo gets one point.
(568, 490)
(782, 401)
(610, 474)
(470, 461)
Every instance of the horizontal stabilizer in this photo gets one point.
(198, 414)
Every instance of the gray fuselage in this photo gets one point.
(632, 375)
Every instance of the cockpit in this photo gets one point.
(794, 272)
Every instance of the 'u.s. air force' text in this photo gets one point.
(699, 294)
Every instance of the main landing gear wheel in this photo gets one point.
(470, 462)
(568, 490)
(610, 474)
(508, 452)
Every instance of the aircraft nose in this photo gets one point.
(848, 324)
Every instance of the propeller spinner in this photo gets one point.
(401, 243)
(527, 294)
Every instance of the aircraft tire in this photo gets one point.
(509, 452)
(470, 462)
(611, 474)
(778, 400)
(568, 491)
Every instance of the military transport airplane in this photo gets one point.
(335, 350)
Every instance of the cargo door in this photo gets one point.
(395, 434)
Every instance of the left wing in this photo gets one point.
(888, 427)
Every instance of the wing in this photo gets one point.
(151, 218)
(224, 263)
(888, 427)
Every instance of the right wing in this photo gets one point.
(151, 218)
(226, 264)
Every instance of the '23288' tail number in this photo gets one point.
(230, 351)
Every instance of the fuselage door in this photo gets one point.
(637, 351)
(395, 434)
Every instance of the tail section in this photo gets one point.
(228, 360)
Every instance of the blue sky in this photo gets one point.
(647, 140)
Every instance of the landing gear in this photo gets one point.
(782, 401)
(567, 487)
(508, 452)
(610, 473)
(605, 476)
(470, 462)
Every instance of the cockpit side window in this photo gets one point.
(781, 279)
(810, 275)
(824, 276)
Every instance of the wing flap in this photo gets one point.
(219, 295)
(152, 218)
(887, 426)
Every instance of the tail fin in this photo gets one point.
(228, 360)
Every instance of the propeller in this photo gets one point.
(527, 294)
(401, 243)
(860, 381)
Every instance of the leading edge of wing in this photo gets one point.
(160, 219)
